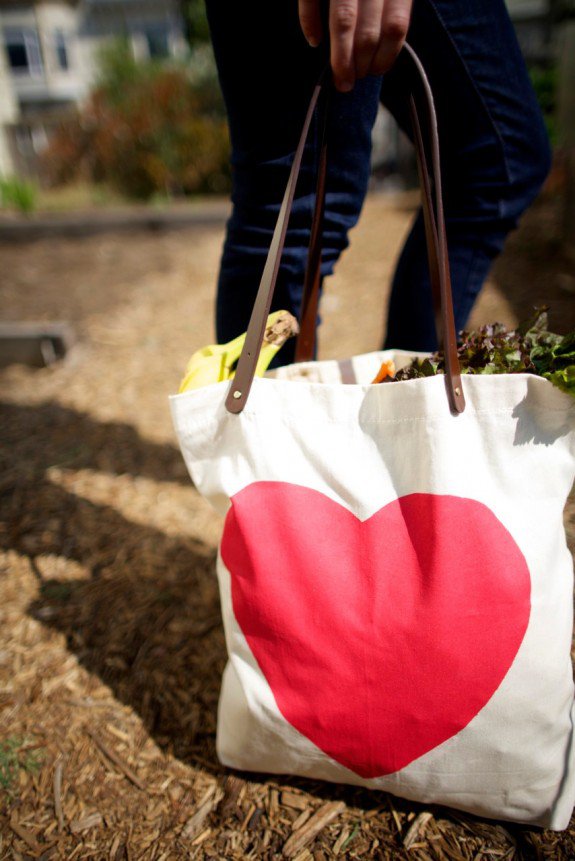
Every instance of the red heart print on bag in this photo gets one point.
(380, 639)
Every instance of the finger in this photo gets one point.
(342, 21)
(394, 27)
(367, 35)
(310, 20)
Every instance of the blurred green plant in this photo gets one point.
(118, 69)
(148, 129)
(16, 756)
(545, 81)
(19, 194)
(197, 29)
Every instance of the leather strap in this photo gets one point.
(432, 241)
(436, 244)
(305, 344)
(437, 241)
(246, 367)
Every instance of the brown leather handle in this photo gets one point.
(437, 255)
(305, 344)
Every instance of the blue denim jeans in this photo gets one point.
(494, 150)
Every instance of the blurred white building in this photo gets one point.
(8, 116)
(49, 60)
(535, 28)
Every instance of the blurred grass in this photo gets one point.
(18, 194)
(81, 195)
(88, 196)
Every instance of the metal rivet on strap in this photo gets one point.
(237, 395)
(457, 391)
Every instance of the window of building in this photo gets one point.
(23, 51)
(61, 46)
(158, 40)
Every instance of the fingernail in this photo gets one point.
(313, 42)
(345, 86)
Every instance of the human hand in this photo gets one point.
(365, 35)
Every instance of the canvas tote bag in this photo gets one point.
(395, 583)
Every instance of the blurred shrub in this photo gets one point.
(197, 29)
(545, 82)
(20, 194)
(147, 129)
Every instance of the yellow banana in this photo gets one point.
(216, 362)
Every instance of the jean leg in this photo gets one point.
(267, 72)
(494, 152)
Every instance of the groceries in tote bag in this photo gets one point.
(395, 583)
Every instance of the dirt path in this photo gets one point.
(111, 647)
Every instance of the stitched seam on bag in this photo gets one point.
(416, 772)
(446, 792)
(207, 423)
(436, 418)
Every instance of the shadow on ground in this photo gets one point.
(40, 436)
(146, 616)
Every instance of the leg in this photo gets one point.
(267, 72)
(495, 153)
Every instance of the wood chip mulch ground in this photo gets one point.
(111, 645)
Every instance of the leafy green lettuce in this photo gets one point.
(529, 349)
